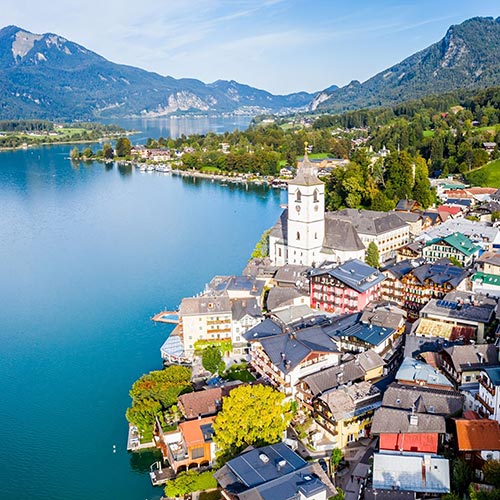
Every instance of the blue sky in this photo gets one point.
(278, 45)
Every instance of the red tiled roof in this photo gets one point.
(478, 435)
(191, 430)
(453, 210)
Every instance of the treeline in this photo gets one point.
(26, 126)
(121, 150)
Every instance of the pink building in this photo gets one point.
(347, 288)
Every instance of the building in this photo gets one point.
(347, 288)
(423, 400)
(489, 263)
(205, 319)
(430, 281)
(464, 364)
(402, 431)
(462, 309)
(190, 446)
(413, 372)
(488, 396)
(392, 286)
(273, 472)
(306, 235)
(346, 413)
(283, 355)
(477, 440)
(420, 473)
(245, 314)
(454, 246)
(204, 403)
(486, 284)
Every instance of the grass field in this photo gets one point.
(489, 175)
(428, 133)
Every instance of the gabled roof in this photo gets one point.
(340, 235)
(283, 296)
(399, 269)
(472, 357)
(406, 205)
(354, 274)
(290, 273)
(206, 402)
(395, 421)
(478, 435)
(280, 229)
(440, 273)
(369, 222)
(423, 399)
(245, 307)
(486, 279)
(267, 328)
(458, 241)
(414, 371)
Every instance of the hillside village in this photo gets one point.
(390, 356)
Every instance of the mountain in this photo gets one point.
(467, 57)
(47, 76)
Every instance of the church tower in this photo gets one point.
(306, 215)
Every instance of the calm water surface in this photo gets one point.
(87, 255)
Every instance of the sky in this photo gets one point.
(282, 46)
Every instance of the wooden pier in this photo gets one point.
(161, 475)
(171, 317)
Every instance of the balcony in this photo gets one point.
(178, 451)
(488, 408)
(484, 382)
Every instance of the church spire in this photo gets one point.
(306, 172)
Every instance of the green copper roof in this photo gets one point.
(458, 241)
(487, 279)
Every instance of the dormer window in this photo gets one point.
(298, 196)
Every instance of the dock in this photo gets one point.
(160, 475)
(171, 317)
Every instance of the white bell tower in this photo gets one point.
(306, 215)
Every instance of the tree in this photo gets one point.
(491, 471)
(123, 147)
(462, 476)
(87, 153)
(189, 482)
(372, 255)
(211, 359)
(335, 458)
(251, 415)
(107, 151)
(75, 154)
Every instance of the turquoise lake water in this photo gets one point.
(87, 255)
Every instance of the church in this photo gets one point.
(307, 235)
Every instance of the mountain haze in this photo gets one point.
(47, 76)
(467, 57)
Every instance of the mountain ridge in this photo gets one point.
(466, 57)
(48, 76)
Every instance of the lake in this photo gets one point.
(88, 254)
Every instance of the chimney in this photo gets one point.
(414, 419)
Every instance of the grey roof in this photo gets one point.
(394, 421)
(423, 399)
(406, 204)
(440, 273)
(369, 222)
(426, 474)
(399, 269)
(306, 174)
(294, 313)
(410, 217)
(416, 345)
(340, 235)
(470, 357)
(280, 229)
(383, 316)
(476, 231)
(353, 273)
(259, 267)
(247, 306)
(205, 305)
(352, 400)
(464, 306)
(287, 351)
(259, 466)
(222, 284)
(370, 360)
(290, 273)
(282, 296)
(415, 371)
(266, 328)
(333, 377)
(378, 494)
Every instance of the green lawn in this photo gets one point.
(243, 375)
(147, 436)
(428, 133)
(489, 175)
(210, 170)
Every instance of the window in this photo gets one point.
(198, 453)
(298, 196)
(315, 236)
(298, 236)
(315, 196)
(279, 252)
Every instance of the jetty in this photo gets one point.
(171, 317)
